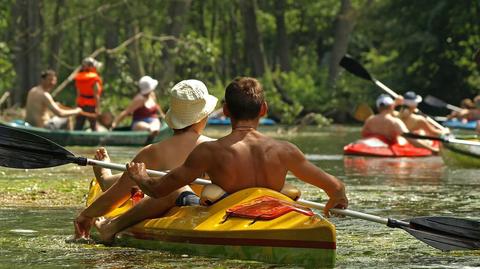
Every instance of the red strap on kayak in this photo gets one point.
(266, 208)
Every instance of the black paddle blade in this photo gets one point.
(20, 149)
(461, 227)
(355, 67)
(444, 242)
(434, 101)
(446, 233)
(417, 136)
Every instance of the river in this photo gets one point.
(37, 208)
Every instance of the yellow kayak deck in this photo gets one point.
(293, 238)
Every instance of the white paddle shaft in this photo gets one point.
(345, 212)
(200, 181)
(454, 108)
(120, 167)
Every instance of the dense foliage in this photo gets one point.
(424, 46)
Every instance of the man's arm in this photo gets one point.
(194, 167)
(402, 128)
(59, 111)
(136, 103)
(306, 171)
(427, 126)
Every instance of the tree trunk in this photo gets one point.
(111, 41)
(56, 38)
(177, 11)
(136, 61)
(27, 38)
(282, 37)
(234, 57)
(343, 27)
(255, 56)
(213, 23)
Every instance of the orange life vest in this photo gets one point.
(84, 82)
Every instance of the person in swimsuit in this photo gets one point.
(388, 127)
(417, 123)
(190, 105)
(243, 159)
(143, 108)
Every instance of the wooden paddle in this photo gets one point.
(434, 101)
(20, 149)
(362, 112)
(358, 70)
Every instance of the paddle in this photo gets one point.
(434, 101)
(447, 139)
(357, 69)
(20, 149)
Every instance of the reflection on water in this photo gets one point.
(431, 168)
(37, 208)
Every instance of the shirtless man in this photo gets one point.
(386, 125)
(40, 101)
(190, 105)
(243, 159)
(414, 122)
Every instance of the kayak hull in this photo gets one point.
(461, 155)
(85, 138)
(292, 238)
(456, 124)
(375, 146)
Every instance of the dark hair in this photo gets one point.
(467, 103)
(45, 73)
(244, 98)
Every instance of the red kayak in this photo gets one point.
(378, 146)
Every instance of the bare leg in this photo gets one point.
(116, 195)
(145, 209)
(103, 175)
(153, 127)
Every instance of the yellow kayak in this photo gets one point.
(294, 237)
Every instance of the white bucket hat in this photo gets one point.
(190, 102)
(90, 61)
(147, 84)
(384, 100)
(410, 98)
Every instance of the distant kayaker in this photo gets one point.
(472, 113)
(387, 127)
(243, 159)
(40, 103)
(143, 108)
(89, 89)
(190, 105)
(466, 104)
(417, 123)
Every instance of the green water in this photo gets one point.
(37, 208)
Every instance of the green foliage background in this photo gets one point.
(424, 46)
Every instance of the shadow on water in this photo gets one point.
(37, 208)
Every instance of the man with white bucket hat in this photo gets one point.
(244, 158)
(190, 105)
